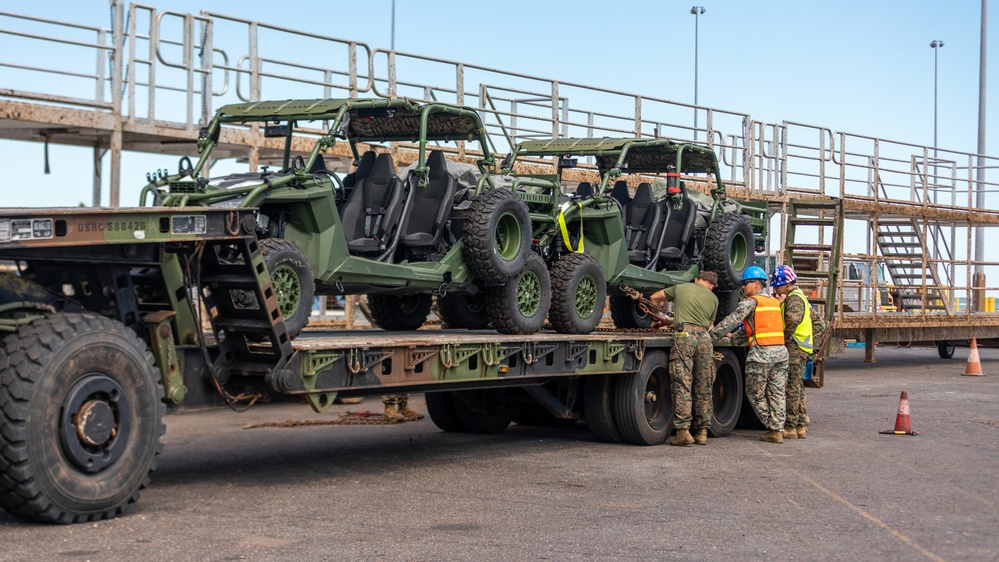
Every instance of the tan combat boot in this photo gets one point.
(391, 414)
(772, 437)
(801, 431)
(790, 432)
(407, 412)
(682, 438)
(701, 436)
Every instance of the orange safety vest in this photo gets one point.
(768, 320)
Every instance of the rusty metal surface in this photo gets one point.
(329, 340)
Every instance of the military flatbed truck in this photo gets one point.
(110, 317)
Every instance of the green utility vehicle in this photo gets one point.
(400, 240)
(603, 237)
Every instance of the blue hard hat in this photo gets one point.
(754, 273)
(783, 275)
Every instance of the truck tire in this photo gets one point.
(729, 249)
(493, 417)
(626, 315)
(497, 236)
(728, 300)
(643, 403)
(294, 283)
(442, 410)
(579, 291)
(463, 312)
(598, 407)
(520, 306)
(726, 395)
(946, 349)
(82, 419)
(399, 312)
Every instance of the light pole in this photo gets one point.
(392, 46)
(697, 11)
(936, 45)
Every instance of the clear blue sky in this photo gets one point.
(857, 66)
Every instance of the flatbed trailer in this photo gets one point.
(112, 316)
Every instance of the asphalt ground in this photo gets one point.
(412, 492)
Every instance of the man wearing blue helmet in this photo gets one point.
(799, 337)
(762, 328)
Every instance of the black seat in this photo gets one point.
(621, 194)
(319, 165)
(643, 224)
(363, 170)
(584, 190)
(679, 226)
(431, 205)
(371, 213)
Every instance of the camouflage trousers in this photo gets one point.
(691, 377)
(795, 389)
(398, 400)
(765, 384)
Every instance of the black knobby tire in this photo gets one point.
(726, 394)
(643, 403)
(442, 410)
(497, 236)
(598, 407)
(626, 314)
(728, 300)
(58, 371)
(946, 350)
(464, 312)
(579, 291)
(293, 280)
(399, 312)
(729, 249)
(490, 416)
(521, 305)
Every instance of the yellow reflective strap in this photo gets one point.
(768, 334)
(565, 231)
(767, 307)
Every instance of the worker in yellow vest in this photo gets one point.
(799, 336)
(757, 322)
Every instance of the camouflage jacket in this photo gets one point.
(733, 323)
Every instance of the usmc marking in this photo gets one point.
(110, 226)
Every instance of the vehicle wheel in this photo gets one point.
(643, 403)
(399, 312)
(946, 350)
(442, 410)
(727, 302)
(293, 282)
(598, 402)
(493, 418)
(726, 394)
(626, 314)
(579, 291)
(520, 306)
(729, 249)
(497, 236)
(82, 419)
(459, 311)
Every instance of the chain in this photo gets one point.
(349, 418)
(112, 54)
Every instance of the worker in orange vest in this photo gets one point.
(757, 322)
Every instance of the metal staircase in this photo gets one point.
(903, 247)
(818, 263)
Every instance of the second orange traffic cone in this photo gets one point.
(974, 363)
(903, 424)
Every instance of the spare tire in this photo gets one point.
(497, 236)
(729, 249)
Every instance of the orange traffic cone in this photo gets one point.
(974, 363)
(903, 425)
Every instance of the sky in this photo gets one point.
(858, 66)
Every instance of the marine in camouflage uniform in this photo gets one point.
(794, 312)
(691, 361)
(766, 365)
